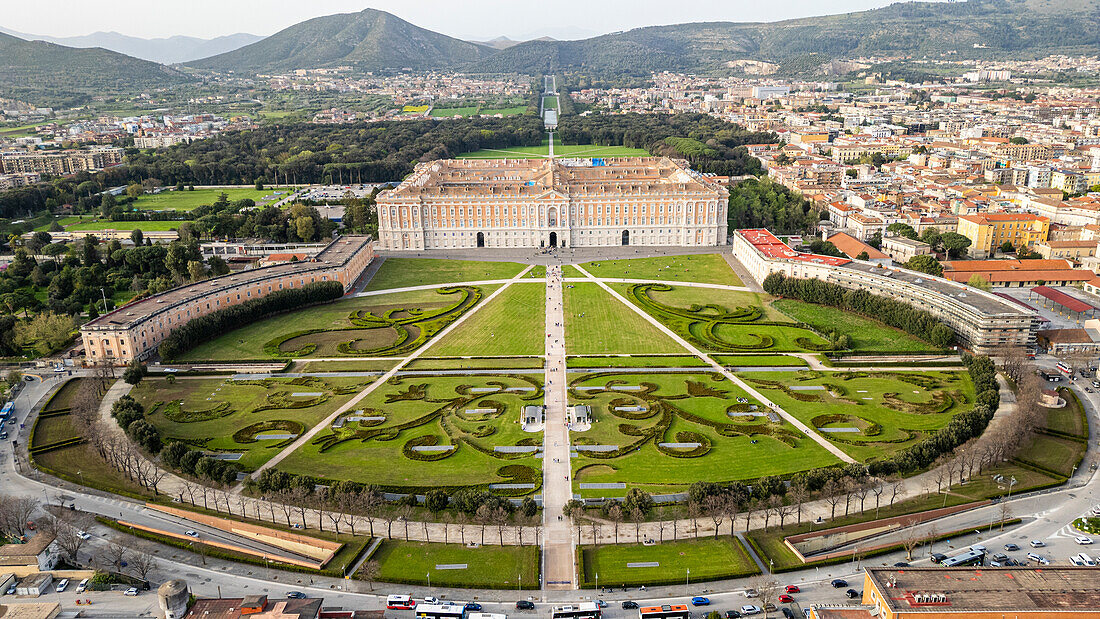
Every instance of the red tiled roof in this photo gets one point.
(1071, 303)
(766, 243)
(852, 246)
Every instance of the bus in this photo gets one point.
(1065, 369)
(400, 602)
(674, 611)
(970, 557)
(7, 410)
(443, 610)
(584, 610)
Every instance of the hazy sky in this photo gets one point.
(467, 19)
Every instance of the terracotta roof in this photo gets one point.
(987, 218)
(1067, 301)
(852, 246)
(1004, 277)
(1006, 265)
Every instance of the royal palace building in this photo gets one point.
(465, 203)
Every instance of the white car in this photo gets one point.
(1037, 543)
(752, 593)
(1040, 559)
(1082, 540)
(82, 586)
(978, 547)
(430, 599)
(132, 591)
(61, 586)
(83, 535)
(190, 533)
(751, 609)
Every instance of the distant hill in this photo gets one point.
(369, 40)
(47, 73)
(977, 28)
(165, 51)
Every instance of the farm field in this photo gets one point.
(326, 330)
(708, 559)
(597, 323)
(423, 431)
(661, 432)
(511, 324)
(253, 418)
(863, 333)
(868, 414)
(405, 272)
(705, 268)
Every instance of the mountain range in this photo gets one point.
(373, 40)
(168, 50)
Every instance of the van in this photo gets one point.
(82, 586)
(61, 586)
(1082, 559)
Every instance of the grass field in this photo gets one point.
(560, 150)
(550, 103)
(156, 226)
(487, 567)
(63, 397)
(504, 111)
(53, 429)
(189, 200)
(208, 412)
(500, 363)
(1052, 453)
(474, 413)
(511, 324)
(451, 112)
(746, 361)
(870, 414)
(80, 464)
(569, 270)
(248, 341)
(350, 365)
(704, 268)
(597, 323)
(734, 440)
(708, 559)
(404, 272)
(1069, 419)
(635, 361)
(863, 333)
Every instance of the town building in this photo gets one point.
(256, 607)
(40, 553)
(988, 231)
(1017, 273)
(59, 163)
(134, 331)
(983, 322)
(902, 248)
(553, 203)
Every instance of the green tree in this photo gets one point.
(977, 281)
(436, 500)
(925, 264)
(637, 499)
(46, 333)
(863, 255)
(1007, 247)
(135, 190)
(137, 237)
(902, 229)
(955, 244)
(135, 372)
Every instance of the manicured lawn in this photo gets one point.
(189, 200)
(344, 366)
(511, 324)
(597, 323)
(156, 226)
(63, 397)
(748, 361)
(404, 272)
(708, 318)
(501, 363)
(707, 558)
(451, 112)
(863, 333)
(475, 413)
(487, 567)
(1069, 419)
(504, 111)
(704, 268)
(737, 441)
(852, 403)
(560, 150)
(550, 103)
(1052, 453)
(248, 341)
(53, 429)
(569, 270)
(177, 410)
(537, 272)
(636, 361)
(80, 464)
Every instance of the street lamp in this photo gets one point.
(429, 580)
(687, 577)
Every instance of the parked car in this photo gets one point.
(769, 608)
(700, 601)
(525, 605)
(839, 583)
(1038, 558)
(792, 589)
(473, 606)
(901, 564)
(851, 594)
(788, 613)
(1083, 540)
(428, 599)
(11, 590)
(733, 614)
(751, 593)
(601, 604)
(295, 595)
(938, 556)
(785, 598)
(132, 592)
(1011, 547)
(82, 586)
(83, 535)
(978, 547)
(62, 585)
(1000, 556)
(1037, 543)
(629, 604)
(750, 609)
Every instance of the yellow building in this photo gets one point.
(988, 231)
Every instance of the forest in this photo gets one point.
(764, 203)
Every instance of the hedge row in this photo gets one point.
(210, 326)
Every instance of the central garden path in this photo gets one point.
(308, 436)
(557, 546)
(808, 431)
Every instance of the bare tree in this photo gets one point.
(483, 516)
(66, 528)
(730, 508)
(910, 538)
(370, 571)
(282, 497)
(877, 488)
(142, 563)
(114, 555)
(714, 506)
(369, 503)
(500, 521)
(334, 515)
(833, 496)
(798, 495)
(767, 589)
(615, 515)
(637, 516)
(190, 488)
(896, 487)
(1006, 513)
(15, 512)
(785, 512)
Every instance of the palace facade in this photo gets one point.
(464, 203)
